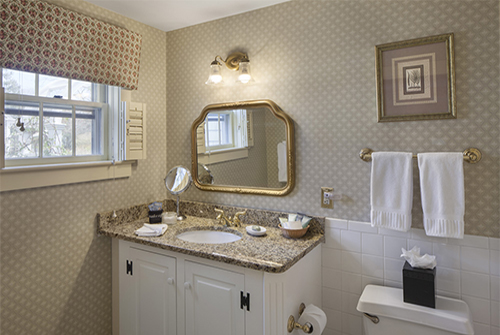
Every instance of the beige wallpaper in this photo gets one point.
(316, 60)
(55, 273)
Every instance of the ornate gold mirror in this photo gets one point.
(247, 147)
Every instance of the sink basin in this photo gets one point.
(208, 236)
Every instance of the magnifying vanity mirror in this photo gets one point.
(246, 147)
(178, 181)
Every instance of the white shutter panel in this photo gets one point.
(200, 138)
(250, 128)
(135, 130)
(2, 125)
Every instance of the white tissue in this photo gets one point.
(316, 317)
(151, 230)
(413, 257)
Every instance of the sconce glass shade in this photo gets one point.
(244, 76)
(214, 77)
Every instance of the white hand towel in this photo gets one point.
(391, 190)
(443, 195)
(151, 230)
(282, 165)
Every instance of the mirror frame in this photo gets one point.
(290, 135)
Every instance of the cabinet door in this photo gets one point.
(212, 301)
(148, 294)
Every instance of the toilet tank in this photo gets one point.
(451, 316)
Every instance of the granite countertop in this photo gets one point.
(270, 253)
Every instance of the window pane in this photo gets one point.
(81, 90)
(53, 86)
(225, 129)
(57, 130)
(21, 144)
(18, 82)
(89, 132)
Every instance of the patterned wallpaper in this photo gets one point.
(316, 60)
(55, 271)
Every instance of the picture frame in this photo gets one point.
(416, 79)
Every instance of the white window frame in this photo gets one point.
(238, 149)
(61, 170)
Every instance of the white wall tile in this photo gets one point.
(365, 280)
(425, 247)
(395, 233)
(332, 278)
(362, 227)
(332, 299)
(391, 283)
(393, 269)
(495, 313)
(335, 223)
(471, 241)
(481, 329)
(372, 244)
(351, 262)
(495, 288)
(351, 283)
(475, 284)
(352, 324)
(334, 319)
(447, 255)
(480, 308)
(448, 294)
(495, 262)
(419, 234)
(494, 243)
(448, 280)
(351, 240)
(331, 258)
(475, 259)
(393, 245)
(349, 302)
(332, 238)
(373, 266)
(495, 330)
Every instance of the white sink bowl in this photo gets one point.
(208, 236)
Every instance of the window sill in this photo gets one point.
(24, 177)
(222, 156)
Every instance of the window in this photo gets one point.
(52, 120)
(61, 131)
(227, 136)
(226, 130)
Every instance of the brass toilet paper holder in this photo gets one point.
(306, 327)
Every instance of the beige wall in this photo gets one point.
(316, 60)
(55, 271)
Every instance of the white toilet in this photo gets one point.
(385, 313)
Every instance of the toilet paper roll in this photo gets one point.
(316, 317)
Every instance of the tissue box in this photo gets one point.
(419, 286)
(155, 216)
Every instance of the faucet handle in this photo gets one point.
(221, 215)
(236, 219)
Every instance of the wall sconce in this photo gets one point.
(237, 61)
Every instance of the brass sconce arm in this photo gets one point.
(232, 61)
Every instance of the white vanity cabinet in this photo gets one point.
(156, 291)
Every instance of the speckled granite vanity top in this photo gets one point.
(271, 252)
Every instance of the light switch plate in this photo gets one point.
(325, 201)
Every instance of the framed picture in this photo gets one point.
(416, 79)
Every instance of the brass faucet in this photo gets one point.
(227, 221)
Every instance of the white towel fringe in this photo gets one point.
(444, 228)
(391, 220)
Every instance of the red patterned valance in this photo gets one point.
(39, 37)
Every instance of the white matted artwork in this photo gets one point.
(416, 79)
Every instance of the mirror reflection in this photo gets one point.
(244, 145)
(177, 181)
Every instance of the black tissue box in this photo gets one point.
(155, 216)
(419, 286)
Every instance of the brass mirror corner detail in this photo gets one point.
(247, 147)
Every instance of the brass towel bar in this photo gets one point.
(471, 155)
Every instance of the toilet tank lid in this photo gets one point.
(450, 314)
